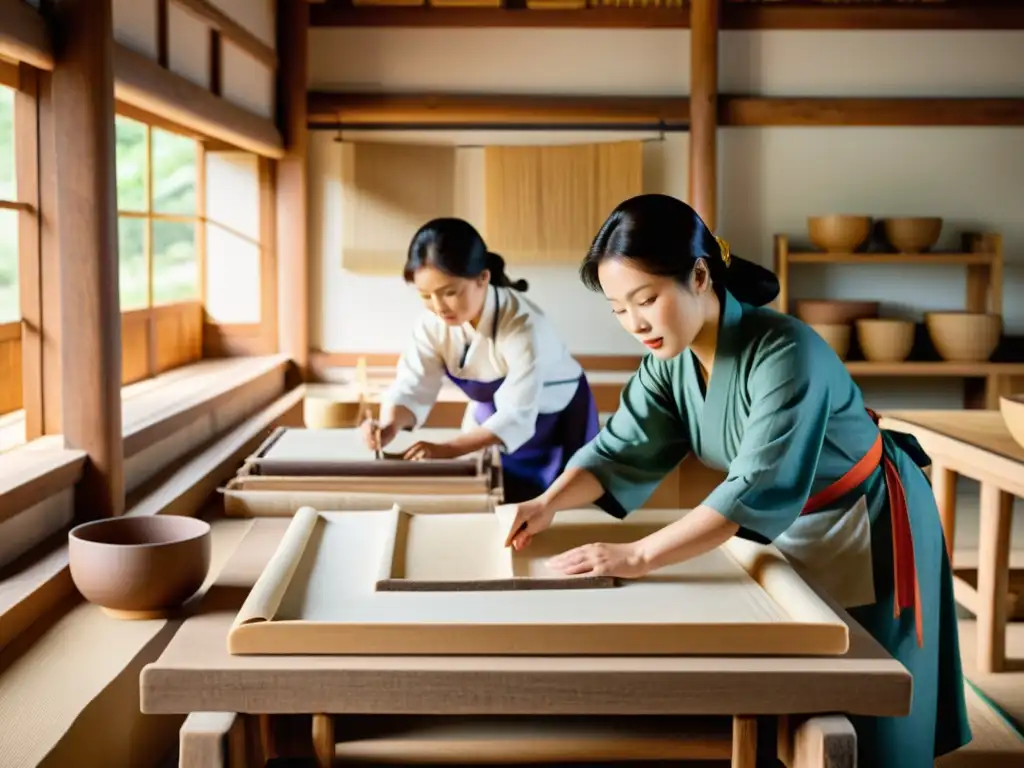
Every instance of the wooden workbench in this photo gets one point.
(974, 444)
(714, 700)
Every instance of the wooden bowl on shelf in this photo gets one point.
(139, 567)
(912, 234)
(836, 335)
(1012, 408)
(838, 233)
(884, 340)
(964, 337)
(834, 311)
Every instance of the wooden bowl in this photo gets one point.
(139, 567)
(912, 234)
(838, 233)
(1012, 408)
(885, 341)
(964, 337)
(832, 312)
(836, 335)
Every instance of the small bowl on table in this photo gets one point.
(139, 567)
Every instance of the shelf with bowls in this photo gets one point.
(960, 343)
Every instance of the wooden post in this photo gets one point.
(704, 16)
(292, 252)
(83, 121)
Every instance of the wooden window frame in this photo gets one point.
(23, 81)
(151, 313)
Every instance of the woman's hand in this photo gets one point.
(425, 450)
(531, 518)
(373, 430)
(621, 560)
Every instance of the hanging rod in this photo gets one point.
(675, 127)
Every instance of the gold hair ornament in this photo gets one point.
(723, 246)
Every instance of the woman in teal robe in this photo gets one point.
(760, 396)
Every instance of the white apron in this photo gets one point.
(834, 547)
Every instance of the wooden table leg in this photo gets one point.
(993, 576)
(825, 741)
(744, 742)
(944, 487)
(207, 738)
(323, 740)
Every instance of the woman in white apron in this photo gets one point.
(527, 394)
(760, 396)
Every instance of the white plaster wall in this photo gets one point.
(246, 82)
(135, 25)
(771, 179)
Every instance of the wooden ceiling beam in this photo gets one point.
(964, 14)
(24, 35)
(352, 109)
(775, 111)
(330, 109)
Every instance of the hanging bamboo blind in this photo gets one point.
(388, 192)
(545, 204)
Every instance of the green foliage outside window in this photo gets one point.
(175, 270)
(10, 310)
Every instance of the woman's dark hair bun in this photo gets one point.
(456, 248)
(664, 236)
(496, 265)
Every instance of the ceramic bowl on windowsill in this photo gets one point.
(139, 567)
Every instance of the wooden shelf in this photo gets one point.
(913, 368)
(981, 257)
(980, 14)
(946, 259)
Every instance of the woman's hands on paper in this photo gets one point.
(378, 435)
(531, 518)
(423, 449)
(621, 560)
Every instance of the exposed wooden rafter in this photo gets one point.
(760, 111)
(966, 14)
(330, 110)
(352, 109)
(24, 35)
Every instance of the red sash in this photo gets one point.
(908, 590)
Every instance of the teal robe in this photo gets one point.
(783, 418)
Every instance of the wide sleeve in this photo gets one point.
(419, 376)
(644, 440)
(771, 477)
(517, 400)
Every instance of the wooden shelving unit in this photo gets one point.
(981, 256)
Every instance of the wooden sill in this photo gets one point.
(155, 408)
(36, 471)
(177, 398)
(40, 579)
